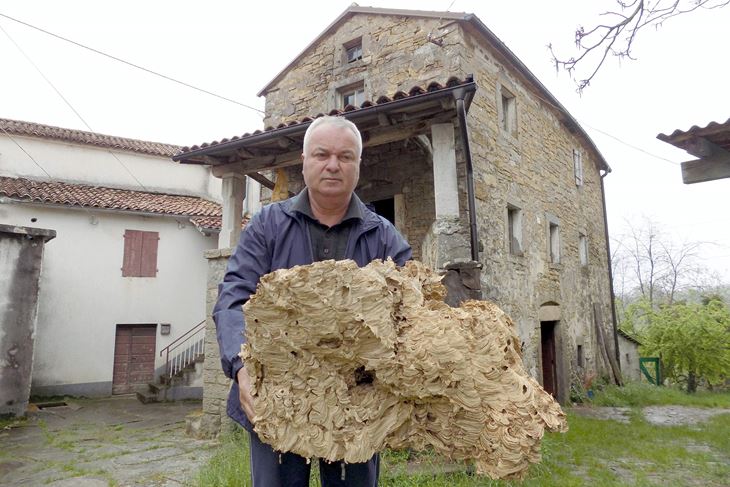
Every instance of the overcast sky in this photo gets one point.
(234, 48)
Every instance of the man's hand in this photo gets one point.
(244, 393)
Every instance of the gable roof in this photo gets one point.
(472, 20)
(29, 129)
(88, 196)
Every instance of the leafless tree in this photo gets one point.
(616, 36)
(649, 264)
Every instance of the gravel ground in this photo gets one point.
(112, 441)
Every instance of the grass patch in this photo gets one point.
(638, 394)
(593, 452)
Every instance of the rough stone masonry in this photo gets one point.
(346, 361)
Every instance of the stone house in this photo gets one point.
(628, 347)
(125, 275)
(488, 176)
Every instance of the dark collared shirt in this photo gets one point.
(327, 242)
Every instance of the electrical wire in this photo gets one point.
(26, 152)
(68, 103)
(136, 66)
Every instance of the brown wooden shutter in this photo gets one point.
(148, 262)
(132, 253)
(140, 254)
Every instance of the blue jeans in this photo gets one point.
(270, 468)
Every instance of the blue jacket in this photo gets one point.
(278, 238)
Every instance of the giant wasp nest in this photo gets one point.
(346, 361)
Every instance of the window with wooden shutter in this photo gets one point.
(140, 253)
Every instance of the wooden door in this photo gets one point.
(134, 357)
(549, 367)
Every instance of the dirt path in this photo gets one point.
(658, 415)
(113, 441)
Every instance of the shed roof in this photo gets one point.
(387, 119)
(710, 144)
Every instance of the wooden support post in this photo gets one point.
(234, 191)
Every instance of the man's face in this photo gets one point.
(331, 166)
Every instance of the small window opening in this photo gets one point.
(352, 95)
(578, 167)
(580, 360)
(514, 230)
(554, 243)
(508, 112)
(354, 52)
(583, 249)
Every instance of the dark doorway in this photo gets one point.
(134, 357)
(385, 208)
(549, 367)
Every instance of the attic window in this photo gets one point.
(353, 50)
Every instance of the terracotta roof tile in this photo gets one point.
(17, 127)
(88, 196)
(399, 95)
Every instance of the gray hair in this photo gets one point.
(341, 122)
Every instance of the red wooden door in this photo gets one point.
(134, 357)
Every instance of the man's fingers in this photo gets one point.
(244, 393)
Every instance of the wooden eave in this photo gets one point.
(711, 146)
(379, 124)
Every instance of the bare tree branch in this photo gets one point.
(617, 38)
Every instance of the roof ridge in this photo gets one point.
(33, 129)
(106, 197)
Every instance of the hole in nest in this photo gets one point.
(363, 376)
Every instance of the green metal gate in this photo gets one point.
(650, 368)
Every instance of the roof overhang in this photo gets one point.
(380, 123)
(710, 144)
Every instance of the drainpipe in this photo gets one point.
(461, 112)
(610, 272)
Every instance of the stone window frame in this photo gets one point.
(578, 167)
(506, 101)
(514, 218)
(553, 240)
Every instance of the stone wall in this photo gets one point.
(215, 383)
(532, 169)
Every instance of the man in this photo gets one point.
(324, 221)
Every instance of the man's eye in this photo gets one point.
(347, 157)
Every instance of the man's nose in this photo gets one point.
(333, 163)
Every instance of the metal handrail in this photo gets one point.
(188, 355)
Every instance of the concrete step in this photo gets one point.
(147, 397)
